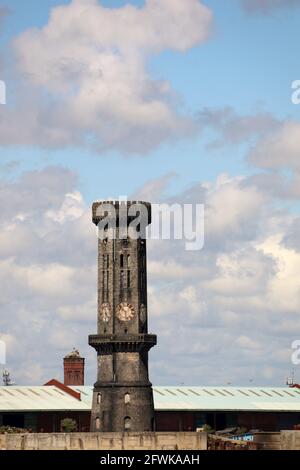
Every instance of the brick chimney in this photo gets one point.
(73, 368)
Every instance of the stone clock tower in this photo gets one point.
(122, 398)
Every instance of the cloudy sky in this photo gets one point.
(183, 101)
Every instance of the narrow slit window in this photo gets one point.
(106, 261)
(122, 280)
(105, 277)
(128, 280)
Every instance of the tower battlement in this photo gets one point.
(101, 209)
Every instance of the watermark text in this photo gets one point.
(296, 353)
(139, 220)
(2, 92)
(296, 92)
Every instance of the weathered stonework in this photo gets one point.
(123, 398)
(105, 441)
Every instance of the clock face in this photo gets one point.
(105, 312)
(125, 312)
(143, 313)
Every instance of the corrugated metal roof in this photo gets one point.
(227, 398)
(50, 398)
(44, 398)
(220, 398)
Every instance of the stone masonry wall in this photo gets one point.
(285, 440)
(105, 441)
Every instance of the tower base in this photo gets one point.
(119, 408)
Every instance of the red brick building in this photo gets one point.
(73, 368)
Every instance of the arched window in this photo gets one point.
(127, 423)
(99, 397)
(128, 261)
(127, 398)
(121, 261)
(97, 423)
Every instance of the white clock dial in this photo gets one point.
(105, 312)
(125, 312)
(143, 313)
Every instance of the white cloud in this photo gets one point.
(33, 373)
(80, 312)
(233, 307)
(223, 314)
(230, 206)
(280, 149)
(154, 189)
(47, 270)
(232, 128)
(9, 341)
(247, 343)
(278, 154)
(72, 208)
(170, 270)
(284, 288)
(90, 61)
(242, 273)
(272, 145)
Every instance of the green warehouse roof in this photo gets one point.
(53, 398)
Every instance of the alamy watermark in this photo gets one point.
(2, 92)
(2, 353)
(295, 357)
(296, 92)
(123, 219)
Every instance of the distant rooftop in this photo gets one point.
(52, 398)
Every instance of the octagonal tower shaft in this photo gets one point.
(123, 397)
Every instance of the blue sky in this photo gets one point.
(182, 103)
(248, 63)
